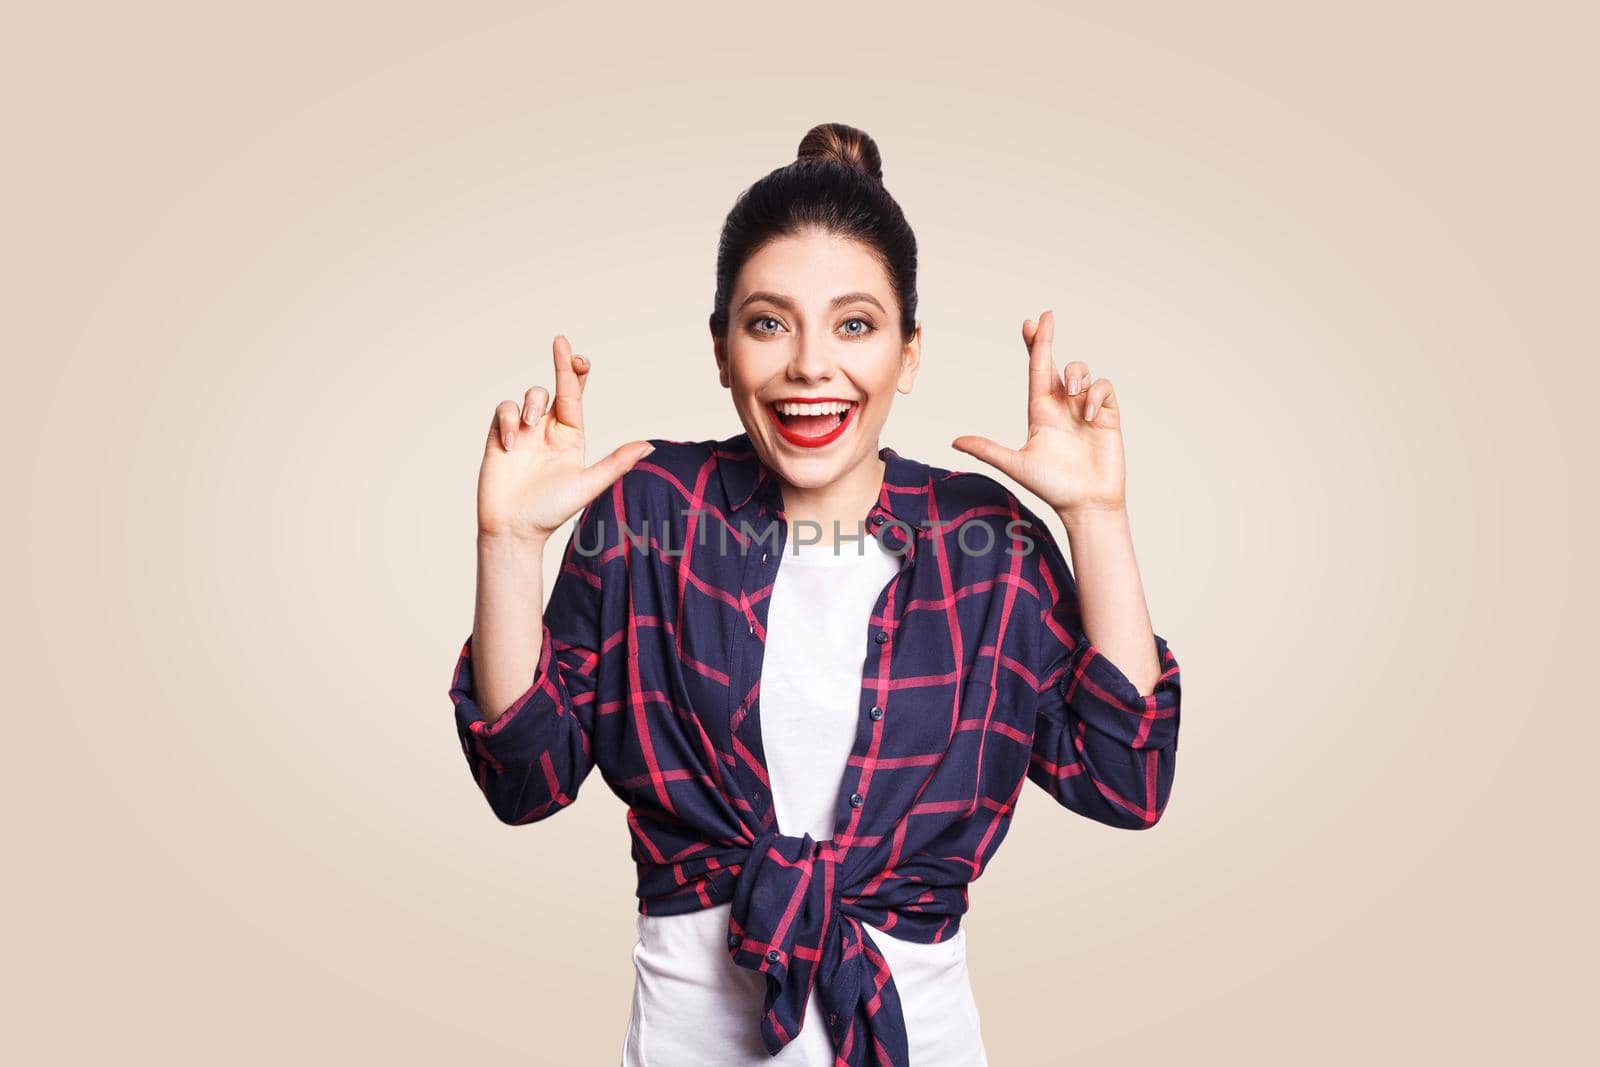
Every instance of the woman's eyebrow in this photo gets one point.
(789, 305)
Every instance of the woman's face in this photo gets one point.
(812, 318)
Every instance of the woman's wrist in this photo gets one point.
(494, 542)
(1093, 518)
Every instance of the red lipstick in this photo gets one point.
(817, 440)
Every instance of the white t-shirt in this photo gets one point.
(692, 1004)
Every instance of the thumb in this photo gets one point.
(607, 469)
(1006, 460)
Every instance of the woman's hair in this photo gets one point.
(835, 184)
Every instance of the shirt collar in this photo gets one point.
(904, 496)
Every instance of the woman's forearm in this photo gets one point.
(508, 619)
(1111, 593)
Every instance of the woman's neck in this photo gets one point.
(845, 500)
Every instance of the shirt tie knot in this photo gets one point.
(786, 921)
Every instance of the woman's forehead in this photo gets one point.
(813, 272)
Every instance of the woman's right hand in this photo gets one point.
(533, 478)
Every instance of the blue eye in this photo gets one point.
(867, 327)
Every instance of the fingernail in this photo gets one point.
(1088, 413)
(511, 441)
(1072, 385)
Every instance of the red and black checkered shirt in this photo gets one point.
(978, 676)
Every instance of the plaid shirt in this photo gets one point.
(978, 677)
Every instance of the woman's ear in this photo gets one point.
(910, 360)
(719, 351)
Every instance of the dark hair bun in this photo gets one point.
(843, 144)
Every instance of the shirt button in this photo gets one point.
(856, 800)
(733, 940)
(833, 1018)
(883, 635)
(876, 712)
(773, 955)
(876, 520)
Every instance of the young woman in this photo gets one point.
(818, 672)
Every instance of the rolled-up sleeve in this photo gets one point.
(1100, 747)
(530, 762)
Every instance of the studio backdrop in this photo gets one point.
(270, 269)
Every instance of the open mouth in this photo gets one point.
(812, 423)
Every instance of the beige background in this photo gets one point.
(267, 273)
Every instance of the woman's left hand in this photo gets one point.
(1072, 459)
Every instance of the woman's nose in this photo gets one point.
(812, 359)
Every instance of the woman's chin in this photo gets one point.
(810, 473)
(806, 469)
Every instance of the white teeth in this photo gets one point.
(836, 407)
